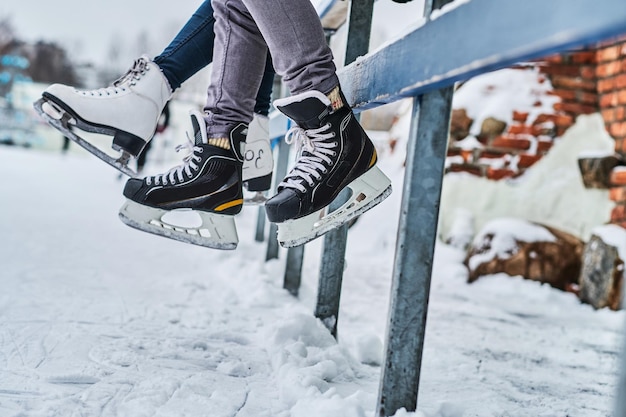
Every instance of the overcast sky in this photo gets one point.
(88, 28)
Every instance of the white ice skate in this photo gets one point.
(128, 110)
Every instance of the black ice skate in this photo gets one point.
(334, 153)
(209, 183)
(128, 110)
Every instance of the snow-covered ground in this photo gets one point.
(97, 319)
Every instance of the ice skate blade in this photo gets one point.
(61, 121)
(368, 190)
(217, 231)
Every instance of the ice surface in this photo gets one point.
(99, 319)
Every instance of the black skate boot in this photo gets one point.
(209, 183)
(334, 153)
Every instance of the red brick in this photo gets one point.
(618, 214)
(620, 81)
(543, 146)
(609, 54)
(498, 174)
(620, 113)
(538, 130)
(620, 145)
(564, 94)
(467, 155)
(543, 118)
(519, 116)
(492, 154)
(617, 194)
(618, 129)
(453, 151)
(566, 70)
(527, 160)
(606, 85)
(520, 129)
(608, 69)
(583, 57)
(609, 100)
(587, 98)
(559, 81)
(470, 169)
(588, 72)
(621, 97)
(565, 120)
(575, 108)
(512, 143)
(609, 115)
(618, 177)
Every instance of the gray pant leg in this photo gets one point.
(238, 63)
(296, 41)
(294, 35)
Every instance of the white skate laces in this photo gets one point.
(175, 175)
(309, 167)
(134, 74)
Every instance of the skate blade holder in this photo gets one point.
(64, 123)
(366, 191)
(45, 107)
(211, 230)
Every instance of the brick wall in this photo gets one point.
(611, 85)
(586, 81)
(508, 152)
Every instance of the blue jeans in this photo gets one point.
(244, 32)
(192, 49)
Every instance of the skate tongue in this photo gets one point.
(306, 109)
(199, 127)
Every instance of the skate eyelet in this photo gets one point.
(200, 150)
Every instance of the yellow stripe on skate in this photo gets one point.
(373, 160)
(229, 205)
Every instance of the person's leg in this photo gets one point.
(210, 181)
(297, 43)
(239, 60)
(191, 49)
(335, 151)
(264, 96)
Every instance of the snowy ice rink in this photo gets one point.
(97, 319)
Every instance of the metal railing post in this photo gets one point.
(259, 235)
(335, 242)
(415, 248)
